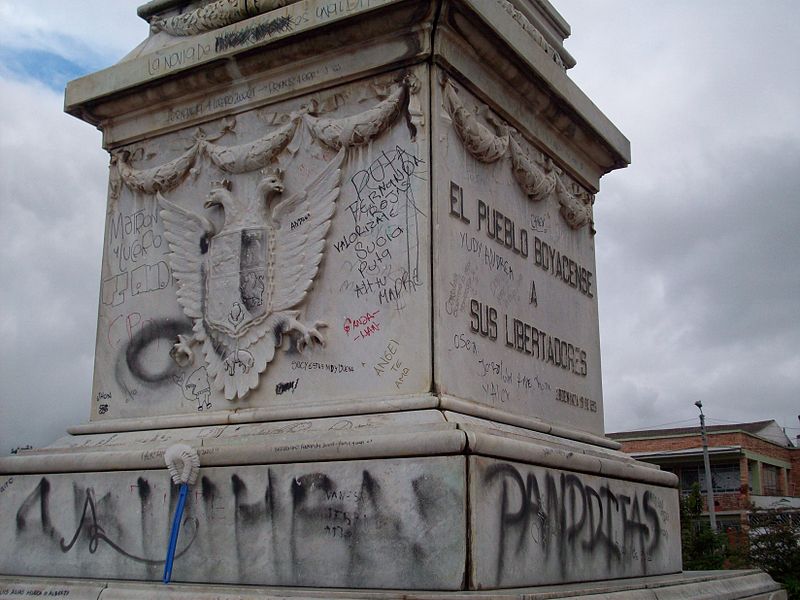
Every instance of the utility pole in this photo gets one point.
(709, 483)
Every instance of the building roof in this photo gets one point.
(769, 430)
(687, 452)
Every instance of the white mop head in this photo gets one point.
(183, 463)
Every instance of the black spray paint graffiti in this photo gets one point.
(351, 519)
(145, 360)
(292, 521)
(254, 34)
(154, 332)
(565, 516)
(89, 521)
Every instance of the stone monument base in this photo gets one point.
(754, 585)
(355, 506)
(420, 499)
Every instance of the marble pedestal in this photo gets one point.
(419, 500)
(706, 585)
(349, 258)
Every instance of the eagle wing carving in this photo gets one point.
(301, 223)
(187, 235)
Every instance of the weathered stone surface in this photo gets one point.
(325, 301)
(487, 226)
(372, 524)
(163, 55)
(249, 433)
(388, 436)
(536, 526)
(754, 585)
(516, 312)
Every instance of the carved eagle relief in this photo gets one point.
(241, 285)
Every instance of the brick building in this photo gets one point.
(751, 464)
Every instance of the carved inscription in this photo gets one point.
(262, 29)
(562, 267)
(527, 339)
(499, 242)
(512, 236)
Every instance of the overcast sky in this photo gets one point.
(698, 252)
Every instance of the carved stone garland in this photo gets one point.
(531, 30)
(538, 179)
(346, 132)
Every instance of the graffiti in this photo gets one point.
(195, 387)
(560, 515)
(96, 534)
(362, 326)
(286, 386)
(144, 359)
(278, 524)
(384, 184)
(6, 485)
(383, 242)
(88, 522)
(389, 288)
(256, 33)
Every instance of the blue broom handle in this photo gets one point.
(173, 538)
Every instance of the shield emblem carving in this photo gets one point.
(235, 279)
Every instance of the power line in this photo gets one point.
(670, 423)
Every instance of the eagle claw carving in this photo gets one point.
(306, 336)
(181, 351)
(242, 283)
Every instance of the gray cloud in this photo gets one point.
(698, 255)
(53, 186)
(51, 221)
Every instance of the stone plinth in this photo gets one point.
(418, 500)
(349, 258)
(754, 585)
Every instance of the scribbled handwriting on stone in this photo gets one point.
(132, 237)
(491, 258)
(385, 183)
(387, 358)
(464, 342)
(308, 365)
(6, 484)
(362, 327)
(175, 59)
(287, 386)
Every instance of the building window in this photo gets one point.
(725, 478)
(729, 524)
(752, 476)
(770, 480)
